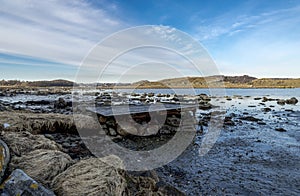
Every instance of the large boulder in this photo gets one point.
(42, 165)
(23, 142)
(93, 176)
(19, 183)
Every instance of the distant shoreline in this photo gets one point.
(220, 81)
(130, 87)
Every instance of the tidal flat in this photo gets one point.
(257, 151)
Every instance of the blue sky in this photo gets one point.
(49, 39)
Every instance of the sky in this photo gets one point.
(45, 40)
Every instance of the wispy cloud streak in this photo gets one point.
(233, 23)
(62, 31)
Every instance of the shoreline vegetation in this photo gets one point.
(245, 81)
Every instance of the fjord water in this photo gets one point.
(278, 92)
(268, 92)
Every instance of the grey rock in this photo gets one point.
(281, 102)
(289, 110)
(152, 129)
(128, 129)
(292, 100)
(60, 103)
(280, 129)
(204, 97)
(266, 109)
(265, 99)
(261, 123)
(38, 102)
(228, 121)
(250, 118)
(19, 183)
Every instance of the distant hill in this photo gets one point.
(220, 81)
(64, 83)
(217, 81)
(276, 83)
(52, 83)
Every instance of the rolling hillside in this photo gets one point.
(219, 81)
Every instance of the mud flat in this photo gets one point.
(256, 153)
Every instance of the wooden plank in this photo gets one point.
(138, 109)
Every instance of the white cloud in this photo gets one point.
(262, 45)
(148, 44)
(62, 31)
(66, 31)
(231, 23)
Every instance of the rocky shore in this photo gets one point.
(257, 151)
(44, 162)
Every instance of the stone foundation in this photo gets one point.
(142, 124)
